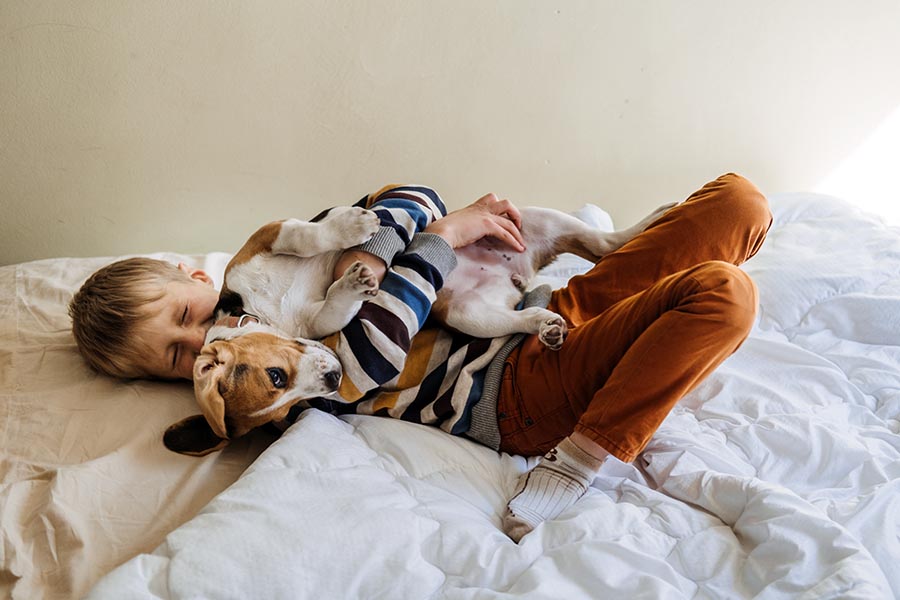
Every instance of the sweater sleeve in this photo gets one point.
(374, 346)
(404, 211)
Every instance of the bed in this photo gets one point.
(779, 477)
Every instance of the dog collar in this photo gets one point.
(220, 330)
(247, 318)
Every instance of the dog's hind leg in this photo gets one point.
(613, 240)
(488, 321)
(551, 232)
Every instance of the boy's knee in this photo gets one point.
(734, 292)
(748, 205)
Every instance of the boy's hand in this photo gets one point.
(487, 216)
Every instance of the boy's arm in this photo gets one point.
(403, 211)
(374, 346)
(409, 209)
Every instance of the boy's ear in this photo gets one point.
(198, 274)
(193, 436)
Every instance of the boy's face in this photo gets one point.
(176, 325)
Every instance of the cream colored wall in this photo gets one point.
(131, 127)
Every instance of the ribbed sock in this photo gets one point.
(561, 477)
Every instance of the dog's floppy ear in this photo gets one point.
(212, 405)
(193, 436)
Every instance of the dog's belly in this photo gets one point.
(484, 273)
(493, 258)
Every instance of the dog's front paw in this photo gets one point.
(553, 332)
(360, 280)
(354, 225)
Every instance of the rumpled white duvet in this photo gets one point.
(779, 477)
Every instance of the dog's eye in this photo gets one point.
(277, 376)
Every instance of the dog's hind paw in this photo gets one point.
(553, 333)
(361, 280)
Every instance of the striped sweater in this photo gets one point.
(394, 364)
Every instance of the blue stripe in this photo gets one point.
(402, 289)
(425, 269)
(375, 365)
(426, 394)
(387, 220)
(465, 420)
(418, 212)
(433, 195)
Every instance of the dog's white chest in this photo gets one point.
(277, 287)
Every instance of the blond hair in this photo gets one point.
(109, 306)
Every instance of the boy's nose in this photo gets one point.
(197, 337)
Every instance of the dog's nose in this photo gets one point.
(332, 379)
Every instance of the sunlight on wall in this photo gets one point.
(870, 176)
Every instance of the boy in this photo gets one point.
(647, 324)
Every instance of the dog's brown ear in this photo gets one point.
(193, 436)
(212, 405)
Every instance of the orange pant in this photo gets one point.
(647, 324)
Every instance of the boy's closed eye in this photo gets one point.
(176, 351)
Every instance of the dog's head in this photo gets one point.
(246, 377)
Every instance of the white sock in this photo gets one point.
(561, 477)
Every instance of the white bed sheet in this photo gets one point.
(779, 477)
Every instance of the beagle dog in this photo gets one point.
(252, 375)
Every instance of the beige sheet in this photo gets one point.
(85, 482)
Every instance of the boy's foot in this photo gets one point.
(560, 478)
